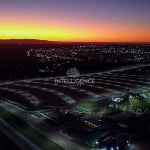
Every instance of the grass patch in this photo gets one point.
(87, 107)
(133, 105)
(38, 115)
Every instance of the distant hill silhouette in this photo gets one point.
(25, 41)
(36, 42)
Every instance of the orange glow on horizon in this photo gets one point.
(73, 33)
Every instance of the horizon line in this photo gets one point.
(61, 41)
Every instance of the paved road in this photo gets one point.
(16, 137)
(52, 133)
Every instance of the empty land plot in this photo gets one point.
(73, 93)
(14, 97)
(45, 97)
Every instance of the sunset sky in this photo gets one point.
(76, 20)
